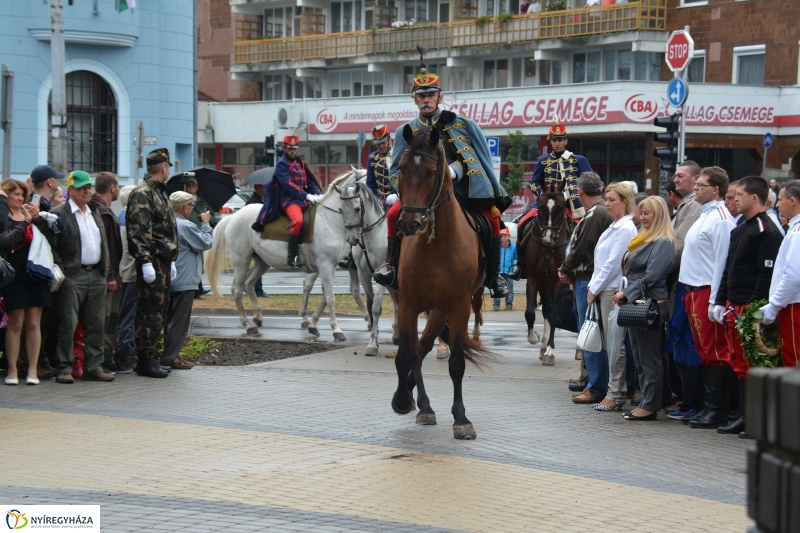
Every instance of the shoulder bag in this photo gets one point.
(563, 315)
(641, 314)
(590, 338)
(7, 273)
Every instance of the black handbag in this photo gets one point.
(563, 314)
(7, 273)
(641, 314)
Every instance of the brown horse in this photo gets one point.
(544, 253)
(438, 274)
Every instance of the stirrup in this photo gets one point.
(384, 279)
(294, 262)
(498, 288)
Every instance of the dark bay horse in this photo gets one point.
(544, 253)
(438, 274)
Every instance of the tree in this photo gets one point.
(515, 167)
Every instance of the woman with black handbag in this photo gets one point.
(645, 266)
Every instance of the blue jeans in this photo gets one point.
(596, 362)
(510, 297)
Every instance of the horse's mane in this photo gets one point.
(342, 181)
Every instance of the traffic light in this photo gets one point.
(669, 153)
(269, 150)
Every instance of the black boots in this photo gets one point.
(292, 259)
(739, 425)
(717, 385)
(347, 262)
(151, 369)
(522, 272)
(389, 278)
(497, 285)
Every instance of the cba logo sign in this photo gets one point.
(326, 120)
(16, 519)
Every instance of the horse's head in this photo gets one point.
(422, 178)
(552, 208)
(352, 208)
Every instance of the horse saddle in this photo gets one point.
(278, 229)
(481, 226)
(524, 231)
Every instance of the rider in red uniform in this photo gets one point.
(292, 190)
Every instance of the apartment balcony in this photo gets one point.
(641, 15)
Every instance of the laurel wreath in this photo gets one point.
(761, 344)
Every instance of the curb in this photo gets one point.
(226, 311)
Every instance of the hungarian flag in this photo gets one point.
(125, 4)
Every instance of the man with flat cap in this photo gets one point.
(153, 243)
(200, 206)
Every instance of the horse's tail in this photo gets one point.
(474, 352)
(215, 257)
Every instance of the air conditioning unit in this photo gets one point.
(290, 117)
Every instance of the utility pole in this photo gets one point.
(138, 144)
(58, 94)
(7, 117)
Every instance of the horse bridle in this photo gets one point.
(360, 225)
(431, 205)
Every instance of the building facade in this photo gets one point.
(121, 67)
(327, 70)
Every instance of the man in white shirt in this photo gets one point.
(704, 256)
(772, 200)
(784, 291)
(82, 254)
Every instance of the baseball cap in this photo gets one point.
(181, 198)
(159, 155)
(44, 173)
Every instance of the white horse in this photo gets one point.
(365, 223)
(244, 245)
(311, 323)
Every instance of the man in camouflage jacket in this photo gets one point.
(153, 243)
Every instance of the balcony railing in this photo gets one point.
(598, 20)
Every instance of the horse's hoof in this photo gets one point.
(258, 322)
(252, 330)
(533, 337)
(396, 341)
(305, 323)
(411, 406)
(339, 337)
(443, 354)
(371, 352)
(548, 360)
(313, 331)
(465, 432)
(426, 419)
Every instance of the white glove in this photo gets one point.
(391, 199)
(770, 314)
(148, 273)
(711, 313)
(453, 175)
(312, 198)
(172, 271)
(719, 313)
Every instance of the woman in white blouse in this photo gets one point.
(606, 279)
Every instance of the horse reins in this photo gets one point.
(361, 225)
(428, 215)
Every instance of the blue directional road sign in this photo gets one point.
(767, 140)
(677, 91)
(494, 151)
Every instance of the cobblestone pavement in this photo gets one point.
(311, 444)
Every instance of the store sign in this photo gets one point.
(610, 107)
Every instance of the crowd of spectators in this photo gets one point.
(70, 310)
(725, 246)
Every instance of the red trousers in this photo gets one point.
(295, 214)
(789, 326)
(391, 218)
(738, 361)
(710, 338)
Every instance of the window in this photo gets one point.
(273, 87)
(343, 155)
(697, 68)
(624, 69)
(516, 72)
(549, 72)
(417, 10)
(91, 123)
(748, 65)
(462, 78)
(229, 156)
(248, 30)
(495, 74)
(693, 2)
(278, 22)
(444, 12)
(610, 66)
(579, 68)
(313, 88)
(246, 155)
(586, 67)
(207, 156)
(358, 83)
(529, 73)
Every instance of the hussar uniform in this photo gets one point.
(378, 180)
(552, 169)
(474, 182)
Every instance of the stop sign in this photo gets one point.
(680, 49)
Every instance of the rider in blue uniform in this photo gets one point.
(560, 165)
(378, 180)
